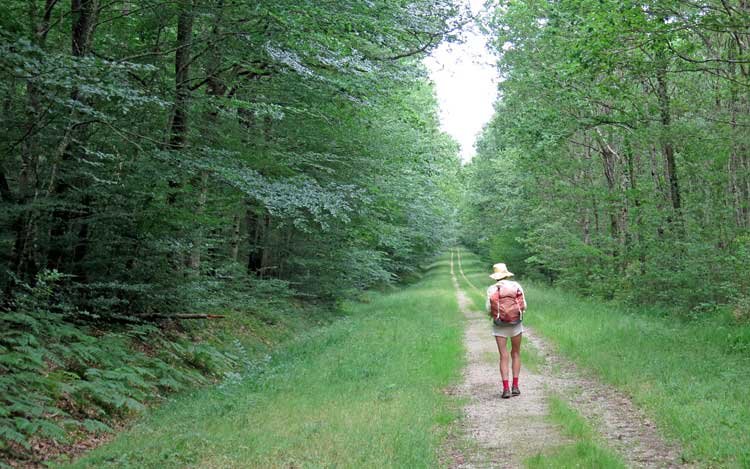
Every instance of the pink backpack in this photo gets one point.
(506, 304)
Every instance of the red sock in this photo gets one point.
(505, 384)
(515, 382)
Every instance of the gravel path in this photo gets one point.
(624, 427)
(485, 438)
(486, 417)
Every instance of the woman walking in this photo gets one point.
(506, 304)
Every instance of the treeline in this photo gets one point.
(163, 157)
(149, 142)
(618, 159)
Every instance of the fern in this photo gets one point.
(57, 377)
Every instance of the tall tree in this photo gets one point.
(656, 90)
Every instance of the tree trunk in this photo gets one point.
(23, 258)
(194, 262)
(84, 15)
(255, 226)
(236, 237)
(635, 199)
(179, 122)
(737, 166)
(216, 88)
(667, 147)
(266, 257)
(609, 164)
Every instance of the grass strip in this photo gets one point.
(586, 452)
(362, 392)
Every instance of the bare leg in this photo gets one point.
(515, 353)
(502, 347)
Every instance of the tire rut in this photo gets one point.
(624, 426)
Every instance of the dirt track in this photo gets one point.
(484, 434)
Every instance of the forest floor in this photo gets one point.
(622, 434)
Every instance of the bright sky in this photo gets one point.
(465, 79)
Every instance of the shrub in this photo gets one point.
(58, 376)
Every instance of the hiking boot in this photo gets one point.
(506, 393)
(516, 391)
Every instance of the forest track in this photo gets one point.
(487, 417)
(623, 426)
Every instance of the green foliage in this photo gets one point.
(506, 247)
(58, 377)
(614, 158)
(302, 130)
(202, 156)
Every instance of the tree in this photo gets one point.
(625, 112)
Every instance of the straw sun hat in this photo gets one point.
(500, 271)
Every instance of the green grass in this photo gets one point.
(570, 421)
(364, 391)
(583, 454)
(586, 452)
(693, 376)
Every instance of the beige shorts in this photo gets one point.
(507, 331)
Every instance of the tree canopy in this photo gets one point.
(617, 160)
(147, 139)
(170, 158)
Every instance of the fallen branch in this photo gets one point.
(182, 316)
(140, 318)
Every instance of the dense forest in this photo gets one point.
(167, 162)
(164, 158)
(618, 159)
(147, 144)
